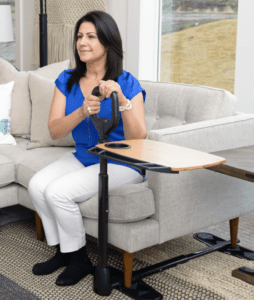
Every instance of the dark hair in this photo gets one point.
(109, 36)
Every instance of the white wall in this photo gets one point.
(118, 10)
(24, 14)
(244, 68)
(138, 22)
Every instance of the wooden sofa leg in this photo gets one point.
(39, 227)
(233, 231)
(127, 267)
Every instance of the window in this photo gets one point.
(7, 50)
(198, 42)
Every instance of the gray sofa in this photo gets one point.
(164, 206)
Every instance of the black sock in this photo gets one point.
(79, 267)
(57, 261)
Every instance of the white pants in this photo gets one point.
(56, 189)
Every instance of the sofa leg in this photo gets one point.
(39, 227)
(233, 231)
(127, 267)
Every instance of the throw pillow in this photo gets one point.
(5, 110)
(42, 92)
(21, 104)
(52, 71)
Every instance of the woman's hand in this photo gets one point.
(106, 88)
(93, 103)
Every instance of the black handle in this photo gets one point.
(105, 126)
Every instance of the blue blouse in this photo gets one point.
(130, 87)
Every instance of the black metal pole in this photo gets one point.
(43, 36)
(102, 276)
(103, 213)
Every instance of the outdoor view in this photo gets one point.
(7, 50)
(198, 43)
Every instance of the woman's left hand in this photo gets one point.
(108, 87)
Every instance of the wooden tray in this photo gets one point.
(176, 157)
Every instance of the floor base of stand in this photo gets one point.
(141, 291)
(211, 240)
(109, 278)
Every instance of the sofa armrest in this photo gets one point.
(195, 199)
(210, 136)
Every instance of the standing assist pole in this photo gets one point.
(102, 278)
(43, 35)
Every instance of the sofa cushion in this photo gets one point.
(21, 105)
(7, 171)
(124, 207)
(174, 104)
(28, 162)
(41, 93)
(52, 71)
(128, 203)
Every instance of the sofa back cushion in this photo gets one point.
(41, 93)
(20, 102)
(174, 104)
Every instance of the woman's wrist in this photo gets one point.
(82, 114)
(123, 101)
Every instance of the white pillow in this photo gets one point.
(21, 109)
(5, 110)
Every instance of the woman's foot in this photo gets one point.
(57, 261)
(79, 267)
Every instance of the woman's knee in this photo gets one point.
(36, 185)
(54, 194)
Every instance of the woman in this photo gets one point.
(56, 189)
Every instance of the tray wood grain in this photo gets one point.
(176, 157)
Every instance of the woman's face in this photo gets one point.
(89, 48)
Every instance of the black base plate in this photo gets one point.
(141, 291)
(138, 290)
(211, 240)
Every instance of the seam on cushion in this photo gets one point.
(182, 84)
(22, 165)
(125, 183)
(116, 220)
(6, 183)
(137, 192)
(9, 162)
(209, 126)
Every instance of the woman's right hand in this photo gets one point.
(94, 103)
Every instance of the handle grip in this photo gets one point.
(105, 126)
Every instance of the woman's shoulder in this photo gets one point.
(130, 85)
(125, 75)
(65, 75)
(62, 79)
(127, 78)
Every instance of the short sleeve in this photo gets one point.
(61, 82)
(130, 86)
